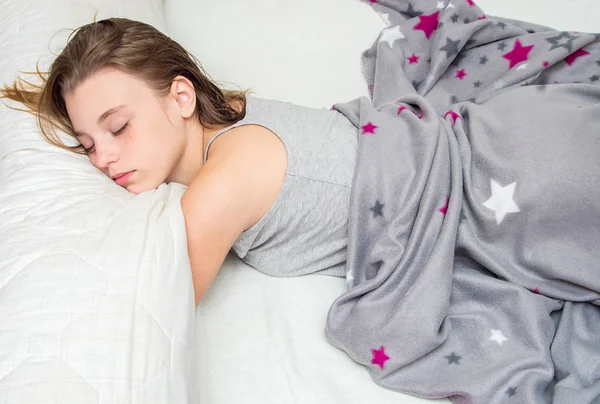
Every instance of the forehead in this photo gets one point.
(102, 91)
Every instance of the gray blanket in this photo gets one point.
(474, 230)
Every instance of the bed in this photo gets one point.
(96, 303)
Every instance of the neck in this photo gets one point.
(192, 158)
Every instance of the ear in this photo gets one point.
(182, 91)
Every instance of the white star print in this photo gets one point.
(386, 18)
(523, 66)
(349, 277)
(440, 5)
(390, 35)
(501, 201)
(498, 337)
(450, 5)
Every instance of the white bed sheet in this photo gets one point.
(260, 339)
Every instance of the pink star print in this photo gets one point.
(546, 63)
(460, 74)
(428, 23)
(573, 56)
(369, 128)
(536, 291)
(445, 208)
(483, 17)
(379, 357)
(413, 59)
(401, 108)
(453, 115)
(471, 3)
(518, 54)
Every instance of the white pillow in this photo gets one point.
(96, 297)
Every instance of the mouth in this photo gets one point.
(122, 178)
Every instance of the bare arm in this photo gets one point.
(212, 225)
(233, 190)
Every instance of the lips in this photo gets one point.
(122, 178)
(114, 177)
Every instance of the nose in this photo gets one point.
(105, 155)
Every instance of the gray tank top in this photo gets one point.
(305, 229)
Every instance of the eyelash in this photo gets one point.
(117, 133)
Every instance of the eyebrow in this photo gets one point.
(102, 117)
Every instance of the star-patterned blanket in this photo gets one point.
(474, 230)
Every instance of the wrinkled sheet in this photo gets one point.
(473, 260)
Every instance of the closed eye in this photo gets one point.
(90, 149)
(117, 133)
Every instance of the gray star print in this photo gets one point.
(598, 62)
(501, 46)
(377, 209)
(511, 391)
(470, 43)
(416, 84)
(477, 84)
(411, 12)
(483, 60)
(458, 59)
(454, 18)
(557, 43)
(453, 99)
(466, 20)
(453, 358)
(451, 48)
(501, 25)
(594, 78)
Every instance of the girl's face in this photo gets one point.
(130, 133)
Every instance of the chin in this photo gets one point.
(139, 188)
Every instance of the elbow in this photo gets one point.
(198, 295)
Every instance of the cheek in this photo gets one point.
(94, 162)
(157, 141)
(166, 136)
(147, 146)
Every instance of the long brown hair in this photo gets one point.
(132, 47)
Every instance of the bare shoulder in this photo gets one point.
(233, 190)
(254, 160)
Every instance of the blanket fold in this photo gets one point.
(473, 261)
